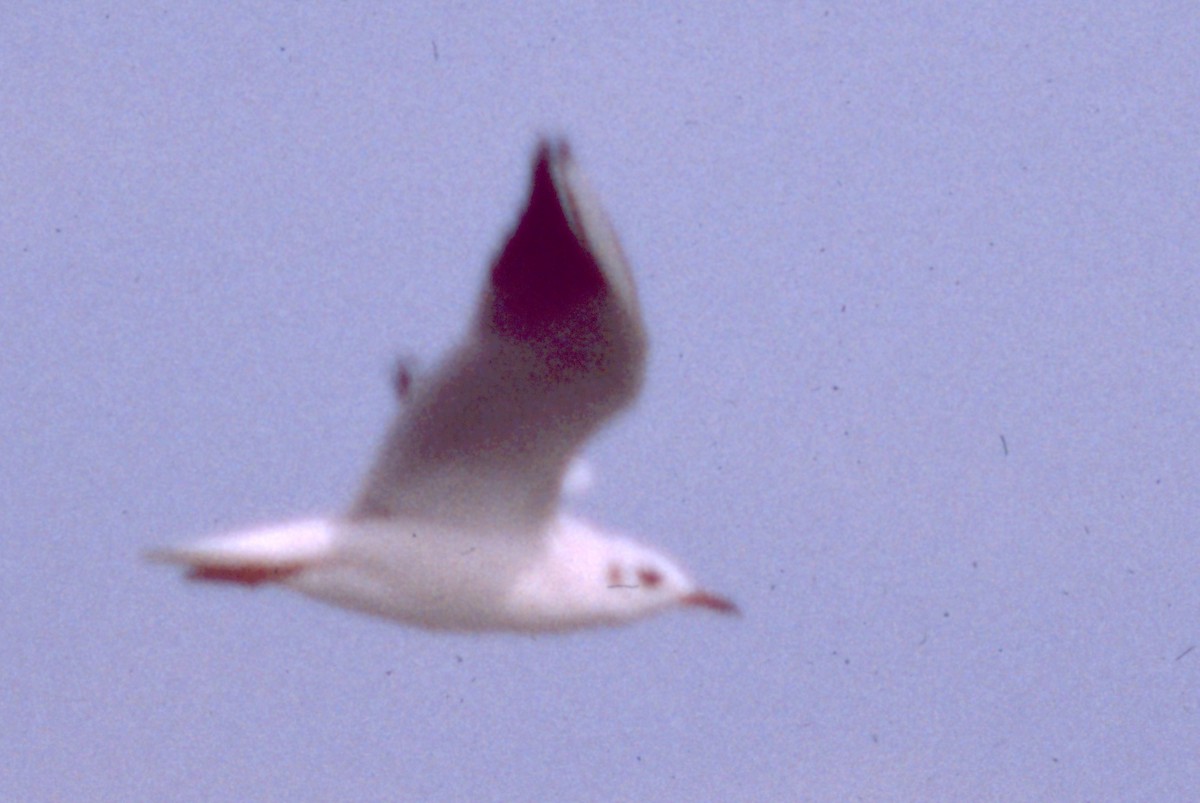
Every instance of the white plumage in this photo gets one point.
(458, 525)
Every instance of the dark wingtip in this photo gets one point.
(551, 150)
(546, 269)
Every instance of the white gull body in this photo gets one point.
(459, 524)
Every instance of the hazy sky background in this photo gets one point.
(924, 301)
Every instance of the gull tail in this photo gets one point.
(251, 557)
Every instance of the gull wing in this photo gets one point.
(555, 349)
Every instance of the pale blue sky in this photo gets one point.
(923, 295)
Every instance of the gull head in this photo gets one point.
(588, 577)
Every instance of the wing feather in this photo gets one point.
(555, 349)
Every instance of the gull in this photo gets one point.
(459, 525)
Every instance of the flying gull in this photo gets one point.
(459, 526)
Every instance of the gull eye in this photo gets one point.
(614, 575)
(650, 578)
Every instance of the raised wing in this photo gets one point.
(556, 348)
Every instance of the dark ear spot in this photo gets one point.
(650, 578)
(614, 575)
